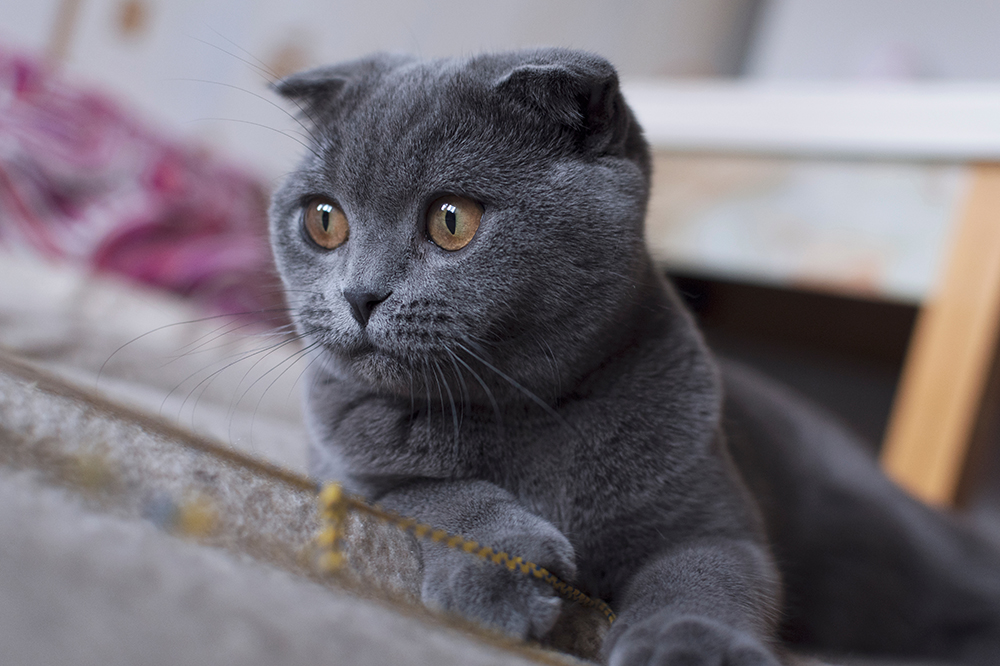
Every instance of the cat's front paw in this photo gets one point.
(517, 604)
(688, 641)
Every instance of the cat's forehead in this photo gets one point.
(419, 109)
(425, 126)
(394, 130)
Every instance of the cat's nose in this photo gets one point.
(362, 304)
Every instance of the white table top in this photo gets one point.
(952, 121)
(835, 186)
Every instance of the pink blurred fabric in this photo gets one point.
(83, 180)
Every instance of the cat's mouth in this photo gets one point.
(416, 351)
(438, 371)
(379, 366)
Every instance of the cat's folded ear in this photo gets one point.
(576, 89)
(317, 92)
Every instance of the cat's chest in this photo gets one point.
(580, 468)
(537, 470)
(575, 467)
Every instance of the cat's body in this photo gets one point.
(866, 568)
(538, 387)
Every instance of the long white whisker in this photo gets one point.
(236, 400)
(464, 389)
(451, 401)
(261, 67)
(202, 345)
(240, 358)
(319, 357)
(489, 393)
(513, 382)
(291, 361)
(427, 394)
(181, 323)
(301, 124)
(551, 357)
(289, 134)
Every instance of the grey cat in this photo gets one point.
(463, 245)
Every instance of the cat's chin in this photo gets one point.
(378, 370)
(383, 373)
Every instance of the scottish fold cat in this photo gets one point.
(498, 356)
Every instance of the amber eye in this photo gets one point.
(325, 223)
(452, 221)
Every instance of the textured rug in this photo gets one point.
(154, 502)
(125, 539)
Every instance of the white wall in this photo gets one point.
(877, 39)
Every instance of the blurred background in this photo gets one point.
(816, 159)
(148, 51)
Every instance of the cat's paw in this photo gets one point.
(688, 641)
(517, 604)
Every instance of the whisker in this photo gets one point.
(413, 407)
(240, 358)
(318, 357)
(227, 331)
(182, 323)
(291, 361)
(273, 348)
(262, 72)
(315, 138)
(207, 381)
(308, 349)
(489, 393)
(242, 355)
(551, 357)
(437, 383)
(272, 76)
(513, 382)
(451, 400)
(463, 387)
(316, 375)
(289, 134)
(195, 346)
(409, 364)
(261, 65)
(427, 394)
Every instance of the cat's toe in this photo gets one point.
(495, 597)
(688, 641)
(508, 600)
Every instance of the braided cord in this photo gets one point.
(335, 505)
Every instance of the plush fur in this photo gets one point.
(542, 390)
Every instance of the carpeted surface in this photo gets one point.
(124, 539)
(82, 587)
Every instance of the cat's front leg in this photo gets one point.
(710, 602)
(458, 582)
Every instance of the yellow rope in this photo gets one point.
(335, 505)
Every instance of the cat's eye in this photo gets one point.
(452, 221)
(325, 223)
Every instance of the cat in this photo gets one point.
(463, 246)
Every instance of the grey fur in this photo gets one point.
(542, 389)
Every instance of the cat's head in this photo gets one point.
(475, 221)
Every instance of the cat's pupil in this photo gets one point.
(449, 219)
(326, 220)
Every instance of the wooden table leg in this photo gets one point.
(953, 348)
